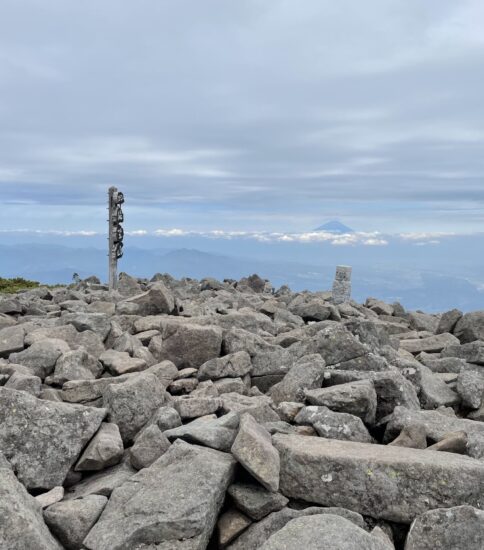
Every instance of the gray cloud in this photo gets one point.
(242, 115)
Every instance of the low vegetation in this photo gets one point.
(16, 284)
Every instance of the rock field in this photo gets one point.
(185, 415)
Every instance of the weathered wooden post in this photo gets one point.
(342, 284)
(115, 234)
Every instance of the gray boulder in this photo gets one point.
(71, 520)
(230, 366)
(173, 504)
(43, 439)
(11, 340)
(459, 528)
(470, 327)
(431, 344)
(22, 526)
(470, 387)
(120, 362)
(75, 365)
(41, 356)
(255, 501)
(253, 449)
(448, 321)
(218, 433)
(384, 482)
(258, 533)
(189, 345)
(321, 532)
(334, 425)
(158, 299)
(356, 398)
(307, 373)
(105, 449)
(132, 403)
(99, 323)
(148, 446)
(24, 382)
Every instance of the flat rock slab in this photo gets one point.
(431, 344)
(384, 482)
(174, 503)
(43, 439)
(21, 523)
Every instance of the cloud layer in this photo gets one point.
(272, 115)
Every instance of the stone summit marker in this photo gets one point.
(342, 284)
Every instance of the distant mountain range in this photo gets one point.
(335, 227)
(420, 277)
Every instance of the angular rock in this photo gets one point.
(189, 345)
(174, 503)
(189, 406)
(255, 501)
(158, 299)
(22, 526)
(459, 528)
(323, 531)
(99, 323)
(448, 321)
(356, 398)
(470, 387)
(11, 340)
(471, 352)
(232, 366)
(384, 482)
(51, 497)
(217, 434)
(24, 382)
(230, 524)
(120, 362)
(75, 365)
(41, 356)
(437, 423)
(470, 327)
(334, 425)
(71, 520)
(253, 449)
(259, 407)
(103, 482)
(132, 403)
(413, 437)
(105, 449)
(43, 439)
(148, 446)
(307, 373)
(258, 533)
(431, 344)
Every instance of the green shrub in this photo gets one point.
(16, 284)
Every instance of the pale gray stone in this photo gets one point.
(470, 327)
(132, 403)
(384, 482)
(22, 526)
(256, 501)
(323, 531)
(120, 362)
(148, 446)
(43, 439)
(356, 398)
(458, 528)
(175, 502)
(99, 323)
(24, 382)
(71, 520)
(431, 344)
(105, 449)
(75, 365)
(253, 449)
(50, 497)
(41, 356)
(232, 365)
(11, 340)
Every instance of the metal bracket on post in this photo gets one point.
(115, 234)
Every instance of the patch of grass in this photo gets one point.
(10, 286)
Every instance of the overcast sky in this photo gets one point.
(247, 115)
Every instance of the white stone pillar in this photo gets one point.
(342, 284)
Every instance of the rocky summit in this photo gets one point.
(190, 415)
